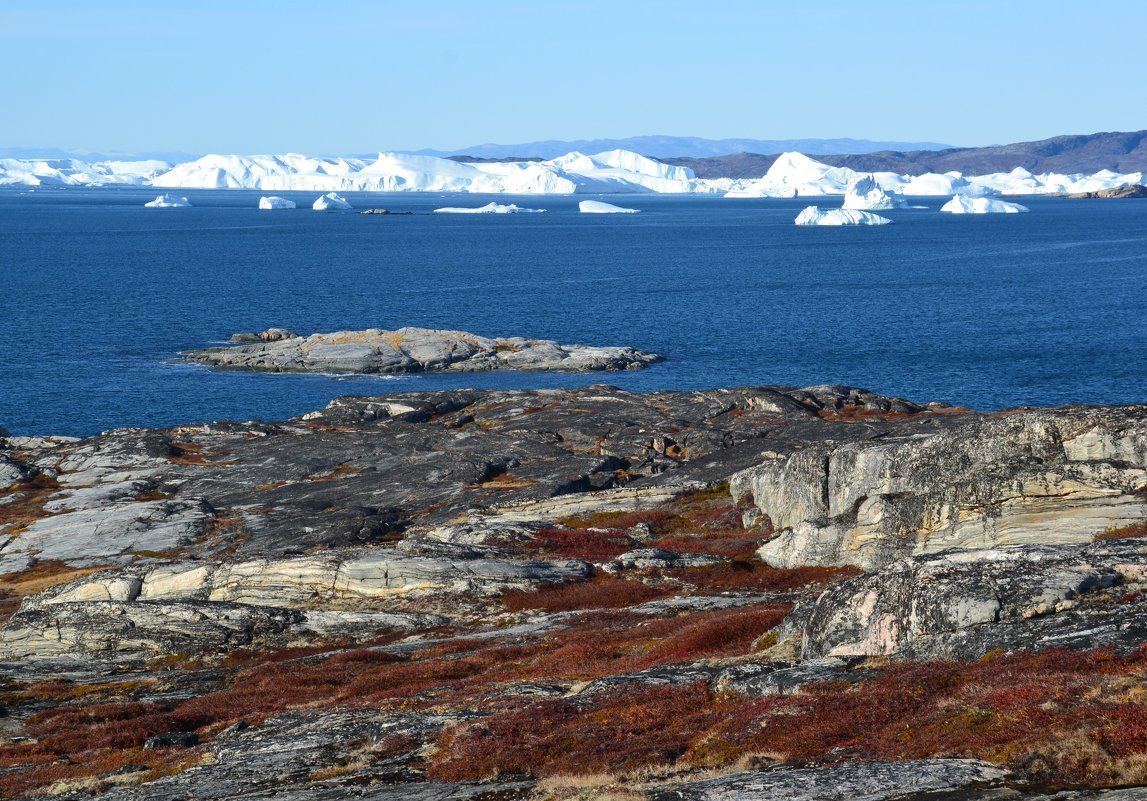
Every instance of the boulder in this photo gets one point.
(961, 604)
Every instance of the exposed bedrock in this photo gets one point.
(961, 604)
(424, 503)
(1038, 476)
(898, 781)
(197, 607)
(411, 350)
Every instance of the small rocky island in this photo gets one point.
(561, 595)
(411, 350)
(1131, 191)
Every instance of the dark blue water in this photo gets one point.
(97, 294)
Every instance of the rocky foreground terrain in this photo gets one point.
(760, 593)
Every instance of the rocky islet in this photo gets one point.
(411, 350)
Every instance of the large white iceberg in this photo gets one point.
(275, 202)
(962, 204)
(796, 175)
(331, 202)
(615, 171)
(864, 193)
(73, 172)
(489, 208)
(814, 215)
(598, 207)
(168, 202)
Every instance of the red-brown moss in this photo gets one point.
(1063, 718)
(1126, 532)
(602, 592)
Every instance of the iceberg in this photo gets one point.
(274, 202)
(489, 208)
(331, 202)
(598, 207)
(615, 171)
(796, 175)
(73, 172)
(962, 204)
(168, 202)
(864, 193)
(812, 215)
(609, 172)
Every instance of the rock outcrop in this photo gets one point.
(414, 350)
(903, 781)
(962, 604)
(1117, 193)
(1040, 476)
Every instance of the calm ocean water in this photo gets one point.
(98, 294)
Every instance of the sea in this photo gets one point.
(98, 296)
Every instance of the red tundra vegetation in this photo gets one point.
(1062, 717)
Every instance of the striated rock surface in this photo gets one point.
(963, 604)
(413, 350)
(114, 532)
(872, 782)
(1040, 476)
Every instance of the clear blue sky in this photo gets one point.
(350, 77)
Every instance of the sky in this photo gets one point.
(356, 77)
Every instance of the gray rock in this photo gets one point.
(97, 497)
(785, 678)
(962, 604)
(201, 607)
(410, 350)
(141, 630)
(13, 471)
(107, 534)
(172, 739)
(1041, 476)
(270, 335)
(891, 781)
(656, 558)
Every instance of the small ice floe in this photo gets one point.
(331, 201)
(962, 204)
(598, 207)
(813, 215)
(168, 202)
(275, 202)
(489, 208)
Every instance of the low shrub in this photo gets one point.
(751, 575)
(1060, 717)
(602, 592)
(590, 545)
(1126, 532)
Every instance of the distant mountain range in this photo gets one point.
(662, 147)
(1122, 152)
